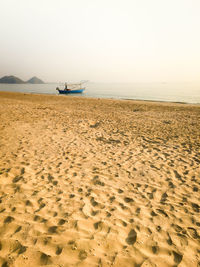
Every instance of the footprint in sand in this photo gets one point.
(82, 255)
(52, 229)
(59, 250)
(177, 257)
(193, 232)
(61, 222)
(132, 236)
(128, 200)
(8, 219)
(45, 259)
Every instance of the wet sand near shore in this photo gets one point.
(98, 182)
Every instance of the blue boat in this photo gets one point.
(68, 91)
(73, 88)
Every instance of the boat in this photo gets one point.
(73, 88)
(63, 92)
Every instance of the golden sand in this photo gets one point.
(93, 182)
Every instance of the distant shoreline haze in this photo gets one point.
(168, 92)
(15, 80)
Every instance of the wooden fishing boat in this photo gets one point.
(73, 88)
(69, 91)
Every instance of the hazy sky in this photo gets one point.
(101, 40)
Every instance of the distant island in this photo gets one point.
(35, 80)
(15, 80)
(11, 79)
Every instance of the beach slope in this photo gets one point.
(98, 182)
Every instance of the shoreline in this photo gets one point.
(98, 182)
(104, 98)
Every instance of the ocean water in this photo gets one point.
(169, 92)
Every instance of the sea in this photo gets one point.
(167, 92)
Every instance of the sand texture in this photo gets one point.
(93, 182)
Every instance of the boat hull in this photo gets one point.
(64, 92)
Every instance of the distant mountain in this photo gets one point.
(35, 80)
(11, 79)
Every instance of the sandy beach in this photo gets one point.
(98, 182)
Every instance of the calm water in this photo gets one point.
(173, 92)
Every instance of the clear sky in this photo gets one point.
(101, 40)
